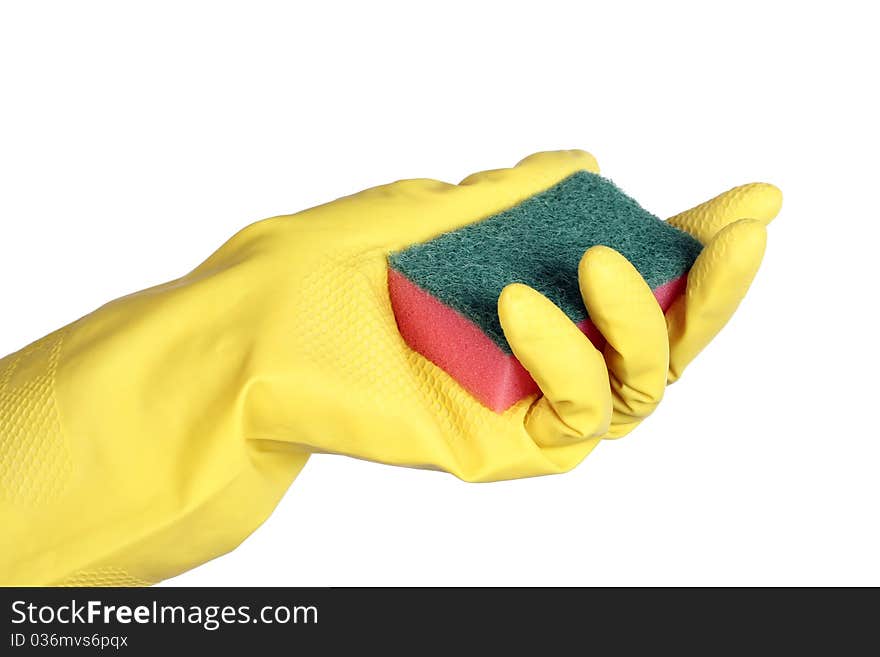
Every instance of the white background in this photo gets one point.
(134, 139)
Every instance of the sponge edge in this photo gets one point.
(461, 348)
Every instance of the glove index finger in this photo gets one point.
(759, 201)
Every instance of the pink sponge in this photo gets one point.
(461, 348)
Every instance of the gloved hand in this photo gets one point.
(159, 431)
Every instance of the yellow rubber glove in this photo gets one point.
(161, 430)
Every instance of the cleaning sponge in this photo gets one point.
(444, 292)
